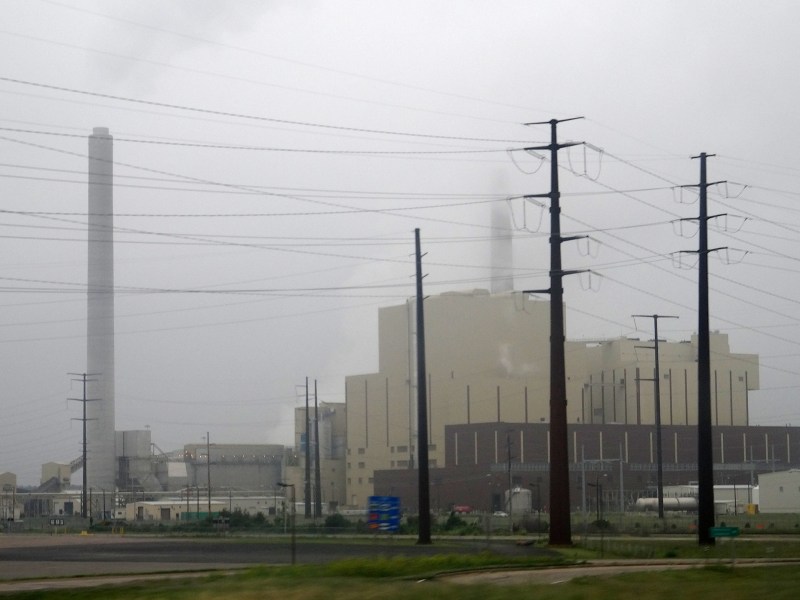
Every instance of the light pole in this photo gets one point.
(598, 493)
(600, 525)
(6, 489)
(510, 484)
(208, 470)
(538, 486)
(294, 508)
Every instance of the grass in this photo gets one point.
(647, 548)
(709, 583)
(411, 578)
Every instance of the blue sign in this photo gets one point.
(383, 513)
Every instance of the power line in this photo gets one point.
(220, 146)
(231, 186)
(326, 192)
(250, 51)
(229, 77)
(195, 109)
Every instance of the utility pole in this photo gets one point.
(307, 482)
(705, 456)
(422, 409)
(560, 527)
(293, 518)
(510, 486)
(84, 378)
(657, 395)
(317, 474)
(208, 470)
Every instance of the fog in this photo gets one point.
(272, 160)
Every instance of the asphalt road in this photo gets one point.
(37, 562)
(34, 556)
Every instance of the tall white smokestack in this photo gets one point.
(502, 250)
(101, 456)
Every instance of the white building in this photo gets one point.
(779, 492)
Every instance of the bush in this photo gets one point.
(533, 524)
(336, 522)
(600, 525)
(454, 522)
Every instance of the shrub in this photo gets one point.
(336, 522)
(454, 522)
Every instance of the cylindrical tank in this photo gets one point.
(687, 503)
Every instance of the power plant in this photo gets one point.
(488, 415)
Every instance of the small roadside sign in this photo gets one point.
(719, 532)
(729, 532)
(57, 522)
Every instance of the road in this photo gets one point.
(595, 568)
(36, 562)
(44, 556)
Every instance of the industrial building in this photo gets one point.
(618, 462)
(234, 466)
(319, 431)
(487, 381)
(8, 501)
(488, 370)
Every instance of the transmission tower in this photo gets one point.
(657, 407)
(560, 527)
(705, 457)
(84, 379)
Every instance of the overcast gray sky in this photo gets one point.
(274, 158)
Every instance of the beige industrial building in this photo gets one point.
(58, 473)
(233, 466)
(618, 388)
(331, 422)
(488, 362)
(9, 511)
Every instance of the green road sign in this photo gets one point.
(718, 532)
